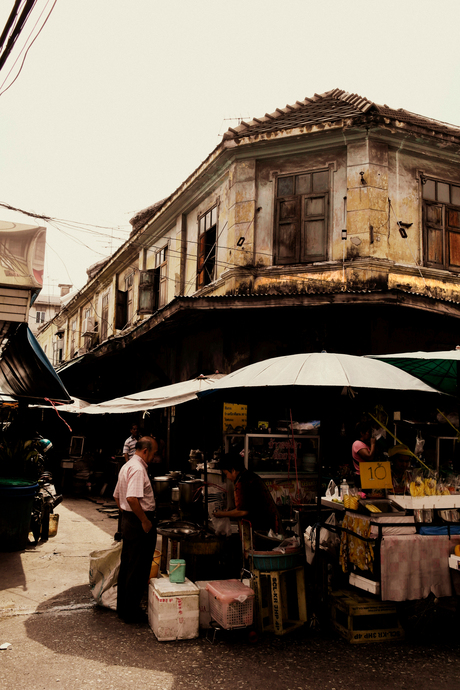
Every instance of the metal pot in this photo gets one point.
(450, 515)
(175, 475)
(188, 491)
(162, 489)
(423, 515)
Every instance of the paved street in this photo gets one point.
(60, 639)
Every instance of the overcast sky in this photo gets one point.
(118, 101)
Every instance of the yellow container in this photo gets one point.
(54, 521)
(155, 564)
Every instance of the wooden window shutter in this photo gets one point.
(200, 281)
(148, 291)
(433, 223)
(314, 228)
(287, 244)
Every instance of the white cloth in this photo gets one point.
(133, 481)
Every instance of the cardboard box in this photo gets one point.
(361, 619)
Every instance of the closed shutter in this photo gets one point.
(314, 228)
(287, 244)
(434, 234)
(148, 291)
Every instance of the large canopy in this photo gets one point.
(323, 369)
(437, 369)
(167, 396)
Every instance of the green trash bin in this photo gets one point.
(16, 502)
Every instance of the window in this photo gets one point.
(441, 224)
(207, 240)
(129, 283)
(40, 317)
(105, 317)
(153, 284)
(73, 333)
(124, 311)
(161, 266)
(301, 217)
(57, 352)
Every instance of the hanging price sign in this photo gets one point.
(375, 475)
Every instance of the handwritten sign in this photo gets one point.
(235, 416)
(375, 475)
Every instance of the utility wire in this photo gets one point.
(30, 46)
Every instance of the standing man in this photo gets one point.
(134, 497)
(130, 443)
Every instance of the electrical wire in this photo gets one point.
(30, 46)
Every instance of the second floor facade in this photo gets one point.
(331, 195)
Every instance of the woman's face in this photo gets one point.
(365, 435)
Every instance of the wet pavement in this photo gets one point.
(60, 639)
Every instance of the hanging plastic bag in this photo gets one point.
(104, 567)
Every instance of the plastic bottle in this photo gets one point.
(344, 488)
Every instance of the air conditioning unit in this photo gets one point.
(88, 325)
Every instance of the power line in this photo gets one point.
(29, 47)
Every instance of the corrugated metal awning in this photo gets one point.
(26, 372)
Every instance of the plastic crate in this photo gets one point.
(225, 609)
(269, 560)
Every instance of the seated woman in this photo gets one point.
(363, 449)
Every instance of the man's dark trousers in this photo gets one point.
(136, 562)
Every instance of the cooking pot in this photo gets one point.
(423, 515)
(188, 491)
(162, 489)
(450, 515)
(175, 475)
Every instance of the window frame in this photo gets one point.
(105, 302)
(38, 318)
(444, 228)
(299, 218)
(206, 267)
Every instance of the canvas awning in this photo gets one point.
(166, 396)
(26, 372)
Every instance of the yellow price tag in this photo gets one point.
(375, 475)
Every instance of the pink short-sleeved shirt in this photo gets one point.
(356, 447)
(133, 481)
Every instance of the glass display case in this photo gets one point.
(272, 455)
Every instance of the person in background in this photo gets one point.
(253, 499)
(130, 443)
(400, 464)
(136, 502)
(363, 449)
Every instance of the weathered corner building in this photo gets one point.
(332, 223)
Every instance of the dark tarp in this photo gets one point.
(438, 369)
(26, 372)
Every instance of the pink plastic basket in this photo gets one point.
(224, 606)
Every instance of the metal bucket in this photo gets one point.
(162, 489)
(188, 491)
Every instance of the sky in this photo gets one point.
(117, 102)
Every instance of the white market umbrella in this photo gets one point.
(323, 369)
(166, 396)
